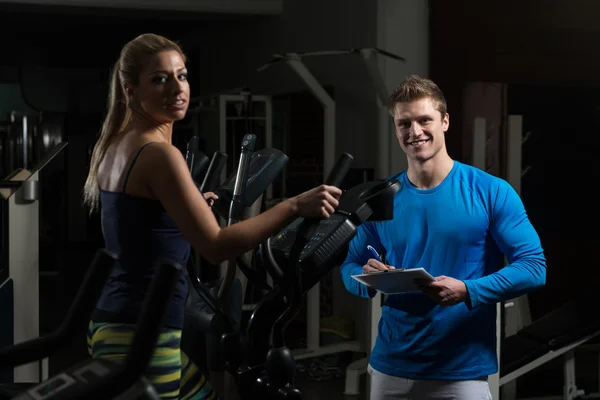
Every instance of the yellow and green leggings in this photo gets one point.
(171, 372)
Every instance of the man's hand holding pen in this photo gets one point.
(375, 264)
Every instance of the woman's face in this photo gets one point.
(163, 91)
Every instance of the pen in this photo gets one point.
(375, 253)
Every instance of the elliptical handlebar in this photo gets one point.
(82, 307)
(195, 159)
(292, 279)
(211, 179)
(236, 208)
(270, 262)
(148, 327)
(209, 183)
(335, 178)
(339, 170)
(279, 363)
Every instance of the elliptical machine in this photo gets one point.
(215, 307)
(297, 258)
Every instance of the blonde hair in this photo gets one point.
(417, 88)
(127, 69)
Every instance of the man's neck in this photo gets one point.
(430, 173)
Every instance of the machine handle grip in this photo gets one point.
(236, 208)
(211, 179)
(293, 280)
(335, 178)
(249, 143)
(339, 170)
(80, 311)
(241, 178)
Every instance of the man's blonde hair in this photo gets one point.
(416, 88)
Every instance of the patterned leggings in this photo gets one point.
(170, 371)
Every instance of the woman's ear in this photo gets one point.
(129, 90)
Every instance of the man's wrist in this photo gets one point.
(466, 296)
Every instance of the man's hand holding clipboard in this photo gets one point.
(444, 290)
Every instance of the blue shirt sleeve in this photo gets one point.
(358, 255)
(519, 242)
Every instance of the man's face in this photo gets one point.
(420, 129)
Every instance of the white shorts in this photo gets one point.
(387, 387)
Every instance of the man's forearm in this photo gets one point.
(512, 281)
(352, 285)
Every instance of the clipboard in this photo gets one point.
(394, 281)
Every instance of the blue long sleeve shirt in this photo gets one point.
(462, 228)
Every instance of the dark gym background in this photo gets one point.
(541, 51)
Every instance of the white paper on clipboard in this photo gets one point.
(394, 280)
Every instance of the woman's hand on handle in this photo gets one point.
(210, 198)
(319, 202)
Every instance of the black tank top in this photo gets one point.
(141, 233)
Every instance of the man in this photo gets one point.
(456, 222)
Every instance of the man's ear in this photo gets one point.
(446, 122)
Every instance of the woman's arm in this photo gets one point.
(165, 172)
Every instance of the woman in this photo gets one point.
(152, 210)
